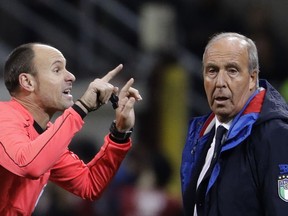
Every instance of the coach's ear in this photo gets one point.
(253, 80)
(27, 81)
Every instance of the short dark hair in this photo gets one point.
(20, 60)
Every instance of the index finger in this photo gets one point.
(112, 73)
(126, 87)
(128, 91)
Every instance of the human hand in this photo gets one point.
(100, 90)
(125, 115)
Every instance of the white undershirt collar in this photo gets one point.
(226, 125)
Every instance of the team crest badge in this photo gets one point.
(283, 187)
(283, 182)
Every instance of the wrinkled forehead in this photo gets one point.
(227, 47)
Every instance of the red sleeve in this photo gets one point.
(89, 180)
(25, 153)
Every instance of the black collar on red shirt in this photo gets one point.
(38, 128)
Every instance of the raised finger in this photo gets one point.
(112, 73)
(126, 87)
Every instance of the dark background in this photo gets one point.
(160, 44)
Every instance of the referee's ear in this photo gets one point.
(27, 82)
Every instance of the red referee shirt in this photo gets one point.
(29, 159)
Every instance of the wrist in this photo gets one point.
(80, 105)
(79, 110)
(117, 136)
(88, 109)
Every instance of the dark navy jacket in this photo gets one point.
(251, 175)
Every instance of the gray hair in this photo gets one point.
(253, 60)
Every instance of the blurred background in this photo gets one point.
(160, 44)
